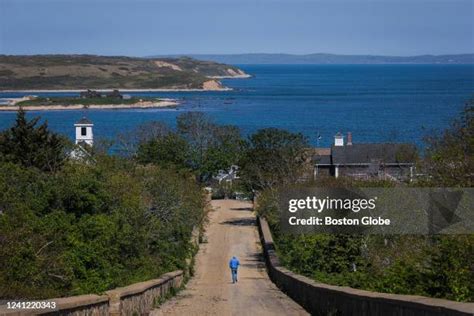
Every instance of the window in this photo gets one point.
(83, 131)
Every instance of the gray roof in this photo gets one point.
(320, 156)
(84, 120)
(367, 153)
(322, 159)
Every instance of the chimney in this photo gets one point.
(338, 140)
(349, 139)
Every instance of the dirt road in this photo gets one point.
(231, 231)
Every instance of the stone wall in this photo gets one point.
(136, 299)
(140, 298)
(323, 299)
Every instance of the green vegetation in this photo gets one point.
(450, 156)
(79, 227)
(82, 101)
(73, 227)
(274, 157)
(32, 146)
(106, 72)
(198, 144)
(438, 266)
(267, 158)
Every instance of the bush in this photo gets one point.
(90, 228)
(437, 266)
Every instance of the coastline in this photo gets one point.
(140, 105)
(242, 76)
(111, 89)
(208, 86)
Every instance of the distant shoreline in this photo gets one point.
(333, 59)
(111, 89)
(243, 76)
(168, 103)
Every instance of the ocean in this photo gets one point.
(377, 103)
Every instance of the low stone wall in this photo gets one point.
(323, 299)
(140, 298)
(136, 299)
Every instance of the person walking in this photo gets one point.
(234, 265)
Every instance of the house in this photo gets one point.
(114, 94)
(89, 94)
(227, 176)
(391, 161)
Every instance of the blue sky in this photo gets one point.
(149, 27)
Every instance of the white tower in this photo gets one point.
(84, 132)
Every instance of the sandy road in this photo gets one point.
(231, 231)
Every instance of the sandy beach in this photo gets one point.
(139, 105)
(232, 74)
(243, 76)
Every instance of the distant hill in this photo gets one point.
(64, 72)
(236, 59)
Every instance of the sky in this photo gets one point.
(156, 27)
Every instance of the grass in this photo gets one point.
(173, 291)
(83, 101)
(103, 72)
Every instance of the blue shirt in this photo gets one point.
(234, 263)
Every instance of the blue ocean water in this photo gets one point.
(377, 103)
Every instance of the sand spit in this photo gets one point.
(232, 74)
(245, 76)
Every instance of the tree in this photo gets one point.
(197, 129)
(436, 266)
(32, 146)
(274, 157)
(164, 150)
(450, 156)
(211, 147)
(90, 228)
(128, 143)
(225, 150)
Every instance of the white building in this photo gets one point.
(84, 133)
(227, 175)
(84, 136)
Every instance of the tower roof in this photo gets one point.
(84, 120)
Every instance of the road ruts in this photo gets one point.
(231, 232)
